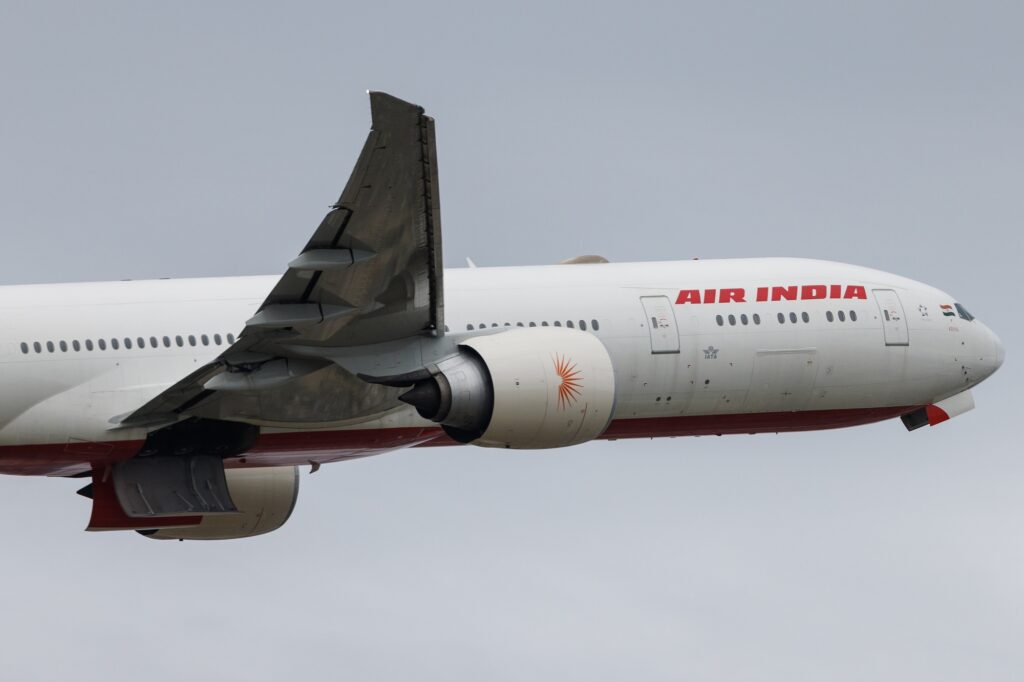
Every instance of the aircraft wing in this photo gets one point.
(371, 273)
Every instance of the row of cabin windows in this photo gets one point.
(217, 340)
(128, 343)
(744, 320)
(594, 325)
(793, 318)
(807, 318)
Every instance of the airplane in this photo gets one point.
(190, 404)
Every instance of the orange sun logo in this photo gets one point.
(572, 381)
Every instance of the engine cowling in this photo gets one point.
(264, 496)
(526, 388)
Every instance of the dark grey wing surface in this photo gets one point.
(371, 273)
(372, 270)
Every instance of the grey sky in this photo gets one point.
(180, 139)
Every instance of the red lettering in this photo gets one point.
(854, 291)
(732, 296)
(806, 292)
(812, 292)
(784, 293)
(688, 296)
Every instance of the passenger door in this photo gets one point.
(661, 323)
(894, 322)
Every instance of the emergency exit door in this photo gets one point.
(661, 323)
(894, 322)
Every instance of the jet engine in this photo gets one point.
(521, 388)
(264, 496)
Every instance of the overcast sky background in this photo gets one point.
(181, 139)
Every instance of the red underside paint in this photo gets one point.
(304, 447)
(936, 415)
(764, 422)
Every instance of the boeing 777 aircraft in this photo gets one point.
(191, 403)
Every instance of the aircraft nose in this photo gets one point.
(993, 359)
(1000, 352)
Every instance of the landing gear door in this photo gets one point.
(661, 322)
(894, 322)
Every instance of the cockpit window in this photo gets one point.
(963, 312)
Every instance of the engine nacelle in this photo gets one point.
(264, 496)
(522, 388)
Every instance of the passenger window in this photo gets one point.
(569, 324)
(829, 316)
(167, 342)
(114, 344)
(805, 317)
(88, 344)
(853, 316)
(141, 341)
(77, 346)
(782, 318)
(24, 347)
(205, 339)
(557, 323)
(127, 343)
(216, 337)
(102, 343)
(842, 316)
(180, 341)
(231, 338)
(63, 346)
(483, 326)
(719, 320)
(732, 320)
(757, 319)
(519, 324)
(544, 323)
(594, 325)
(792, 318)
(533, 324)
(469, 328)
(49, 346)
(583, 325)
(743, 320)
(153, 343)
(191, 340)
(37, 347)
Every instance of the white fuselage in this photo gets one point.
(75, 357)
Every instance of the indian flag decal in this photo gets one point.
(947, 310)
